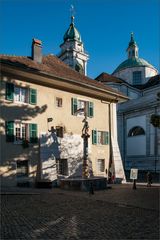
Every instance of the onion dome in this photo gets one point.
(72, 33)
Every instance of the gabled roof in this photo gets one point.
(52, 65)
(105, 77)
(153, 81)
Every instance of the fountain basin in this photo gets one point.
(84, 184)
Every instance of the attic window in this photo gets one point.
(137, 77)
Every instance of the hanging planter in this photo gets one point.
(155, 120)
(25, 143)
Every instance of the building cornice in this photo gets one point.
(65, 84)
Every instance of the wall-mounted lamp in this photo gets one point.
(49, 119)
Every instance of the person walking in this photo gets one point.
(109, 177)
(149, 179)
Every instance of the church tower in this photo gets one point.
(132, 48)
(72, 50)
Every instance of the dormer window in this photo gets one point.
(137, 78)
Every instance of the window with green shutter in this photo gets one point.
(32, 96)
(94, 137)
(100, 137)
(10, 131)
(33, 133)
(90, 109)
(10, 91)
(74, 105)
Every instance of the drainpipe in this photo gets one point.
(110, 139)
(124, 141)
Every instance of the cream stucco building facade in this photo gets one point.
(41, 125)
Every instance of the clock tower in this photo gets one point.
(72, 50)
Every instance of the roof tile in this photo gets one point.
(53, 65)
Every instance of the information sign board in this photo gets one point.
(134, 173)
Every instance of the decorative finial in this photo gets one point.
(72, 19)
(132, 36)
(72, 10)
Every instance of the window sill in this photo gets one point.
(100, 145)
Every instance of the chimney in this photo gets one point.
(36, 50)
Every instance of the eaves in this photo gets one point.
(65, 84)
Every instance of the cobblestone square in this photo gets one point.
(117, 213)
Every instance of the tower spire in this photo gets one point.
(132, 37)
(72, 49)
(132, 47)
(72, 19)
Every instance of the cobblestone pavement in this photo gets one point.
(117, 213)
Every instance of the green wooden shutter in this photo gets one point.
(33, 133)
(105, 138)
(94, 137)
(32, 96)
(10, 131)
(74, 105)
(9, 91)
(90, 109)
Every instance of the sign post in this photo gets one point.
(134, 175)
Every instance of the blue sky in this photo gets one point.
(104, 25)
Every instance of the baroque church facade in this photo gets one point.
(139, 139)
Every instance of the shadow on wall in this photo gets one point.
(22, 113)
(77, 168)
(52, 152)
(12, 152)
(61, 155)
(69, 147)
(11, 171)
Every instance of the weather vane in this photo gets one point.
(72, 10)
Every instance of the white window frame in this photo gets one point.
(101, 165)
(21, 126)
(61, 167)
(20, 94)
(80, 107)
(59, 102)
(99, 137)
